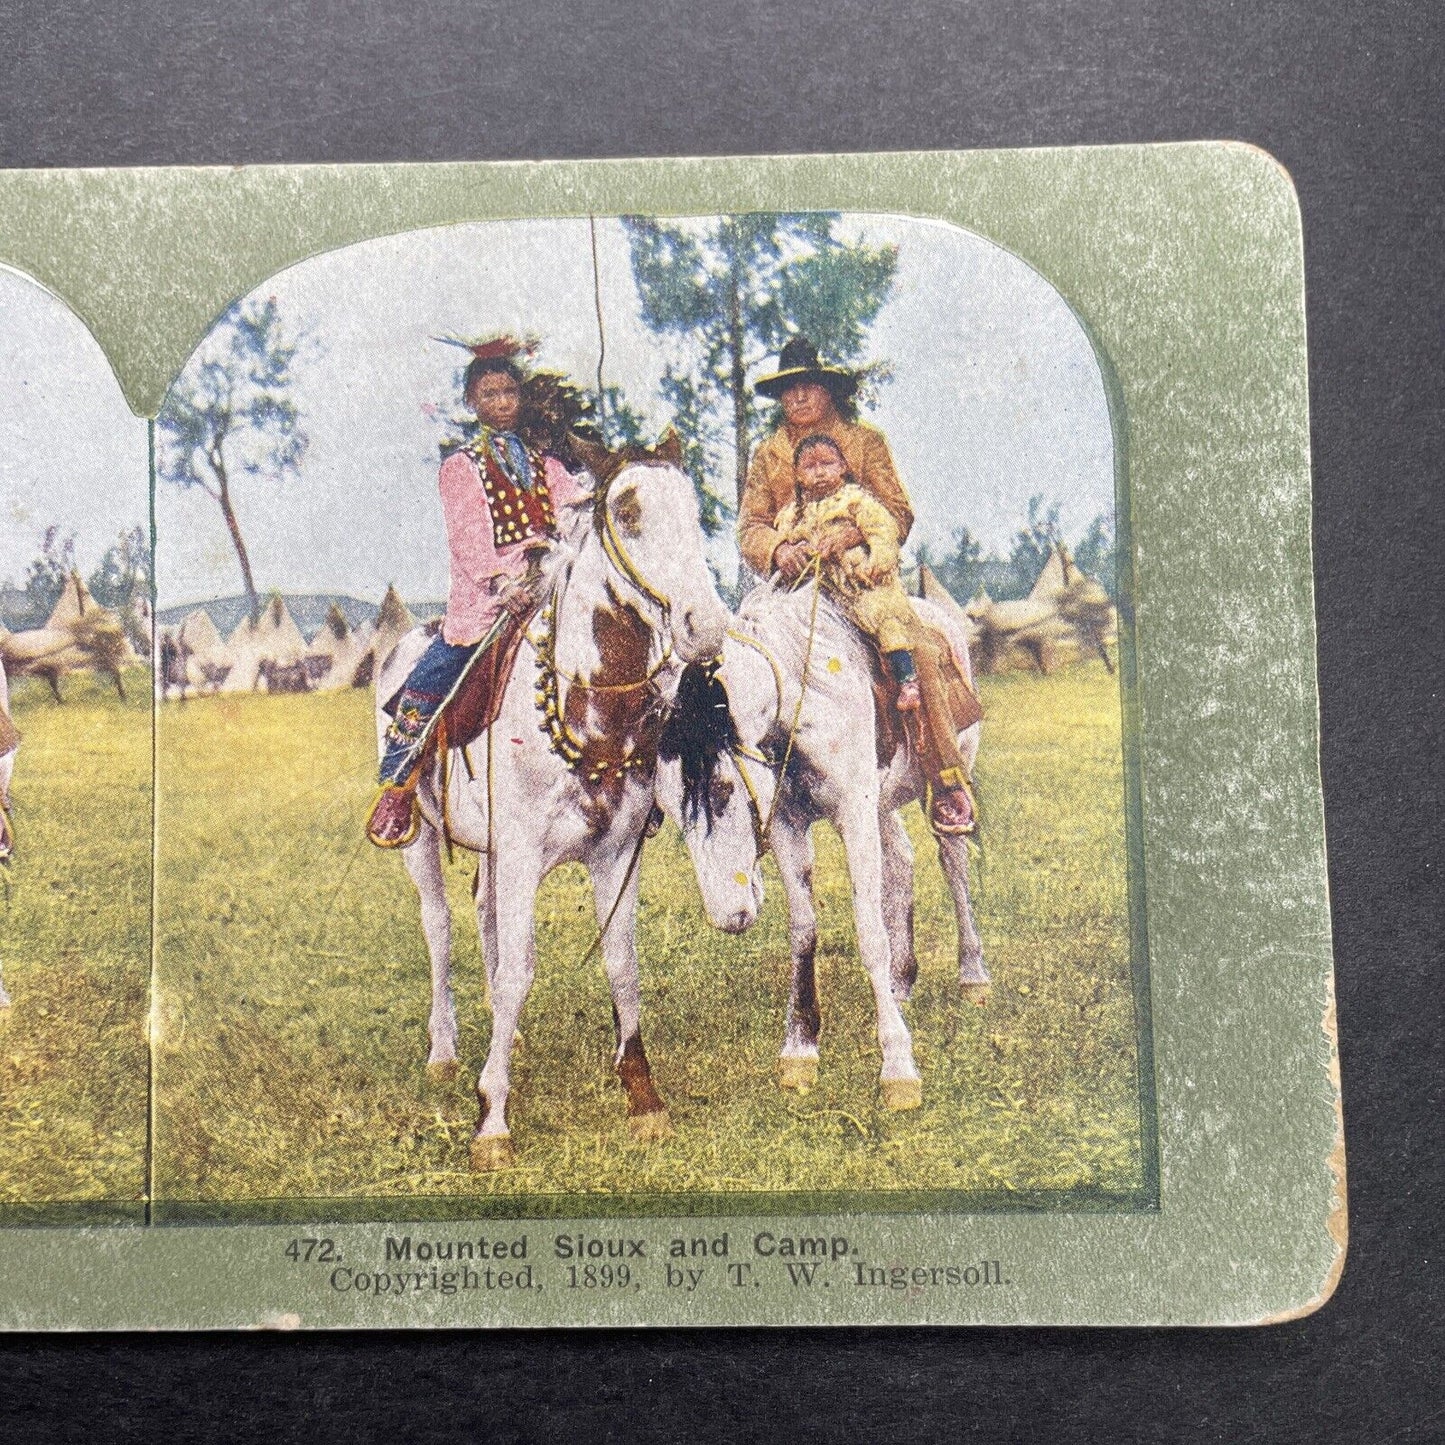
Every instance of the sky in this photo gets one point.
(996, 396)
(71, 451)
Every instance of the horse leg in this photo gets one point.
(483, 896)
(798, 1063)
(901, 1085)
(611, 884)
(898, 903)
(513, 970)
(972, 975)
(423, 861)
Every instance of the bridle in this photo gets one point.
(550, 675)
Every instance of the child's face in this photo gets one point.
(820, 471)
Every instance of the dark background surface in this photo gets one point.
(1341, 94)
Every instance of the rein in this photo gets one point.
(763, 826)
(554, 724)
(816, 568)
(616, 553)
(550, 675)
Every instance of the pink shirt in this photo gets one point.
(479, 568)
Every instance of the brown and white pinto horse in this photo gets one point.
(566, 773)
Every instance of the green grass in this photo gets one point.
(75, 949)
(293, 993)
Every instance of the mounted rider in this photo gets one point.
(818, 407)
(501, 495)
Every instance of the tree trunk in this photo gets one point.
(738, 375)
(223, 496)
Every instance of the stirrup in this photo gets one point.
(413, 826)
(965, 831)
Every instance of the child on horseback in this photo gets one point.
(854, 540)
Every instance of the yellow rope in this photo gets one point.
(768, 657)
(815, 567)
(572, 679)
(616, 902)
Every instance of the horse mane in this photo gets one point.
(698, 731)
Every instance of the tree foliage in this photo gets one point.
(965, 569)
(47, 575)
(1033, 542)
(1094, 554)
(230, 414)
(124, 573)
(730, 292)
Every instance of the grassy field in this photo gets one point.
(75, 950)
(292, 995)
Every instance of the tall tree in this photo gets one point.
(230, 414)
(731, 291)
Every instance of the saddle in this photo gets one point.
(479, 699)
(963, 705)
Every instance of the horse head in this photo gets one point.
(646, 519)
(702, 787)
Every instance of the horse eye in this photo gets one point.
(627, 512)
(722, 791)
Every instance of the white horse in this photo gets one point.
(9, 744)
(566, 773)
(824, 737)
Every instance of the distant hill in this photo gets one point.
(308, 608)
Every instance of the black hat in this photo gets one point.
(799, 361)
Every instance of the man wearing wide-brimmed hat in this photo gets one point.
(816, 399)
(817, 402)
(500, 499)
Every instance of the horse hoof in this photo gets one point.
(975, 993)
(491, 1151)
(902, 1094)
(444, 1071)
(650, 1128)
(798, 1073)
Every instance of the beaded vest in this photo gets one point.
(517, 514)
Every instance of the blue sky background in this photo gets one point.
(71, 451)
(996, 396)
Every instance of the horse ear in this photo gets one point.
(669, 448)
(592, 454)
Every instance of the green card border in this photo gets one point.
(1185, 264)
